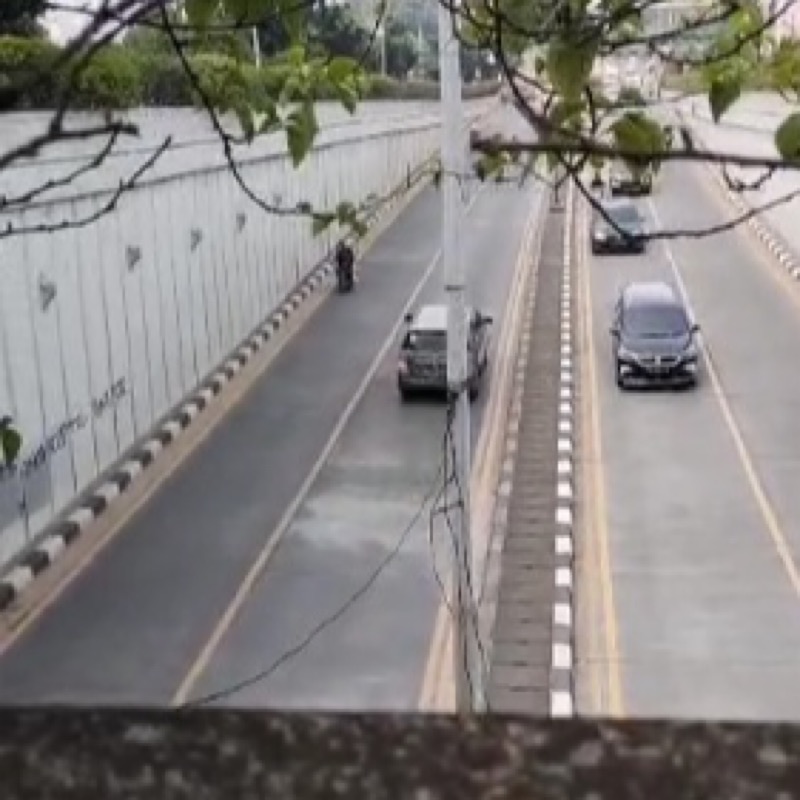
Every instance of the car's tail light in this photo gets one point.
(402, 366)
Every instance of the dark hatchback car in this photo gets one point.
(625, 235)
(624, 181)
(653, 337)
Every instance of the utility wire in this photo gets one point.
(470, 608)
(325, 623)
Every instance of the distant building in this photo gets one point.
(673, 16)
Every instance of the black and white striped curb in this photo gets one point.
(562, 686)
(64, 533)
(780, 252)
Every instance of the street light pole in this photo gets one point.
(256, 47)
(466, 651)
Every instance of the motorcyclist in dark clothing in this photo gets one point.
(345, 261)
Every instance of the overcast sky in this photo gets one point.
(63, 25)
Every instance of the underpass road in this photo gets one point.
(702, 512)
(131, 627)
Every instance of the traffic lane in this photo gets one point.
(754, 337)
(372, 490)
(698, 589)
(162, 583)
(783, 184)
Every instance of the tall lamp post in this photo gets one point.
(466, 650)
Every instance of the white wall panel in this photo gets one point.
(134, 216)
(107, 262)
(13, 529)
(150, 271)
(200, 263)
(188, 239)
(19, 315)
(93, 313)
(52, 455)
(75, 357)
(228, 287)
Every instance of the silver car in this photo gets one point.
(422, 365)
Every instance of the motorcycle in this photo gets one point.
(344, 278)
(345, 274)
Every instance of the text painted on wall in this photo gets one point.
(58, 438)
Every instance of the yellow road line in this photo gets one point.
(587, 612)
(597, 516)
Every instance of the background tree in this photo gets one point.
(20, 17)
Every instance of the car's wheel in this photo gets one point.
(595, 249)
(474, 389)
(405, 393)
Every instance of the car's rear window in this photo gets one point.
(623, 215)
(654, 321)
(426, 340)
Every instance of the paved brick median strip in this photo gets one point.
(532, 638)
(783, 254)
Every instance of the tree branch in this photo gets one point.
(125, 185)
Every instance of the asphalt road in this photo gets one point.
(701, 520)
(129, 629)
(739, 136)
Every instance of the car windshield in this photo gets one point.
(655, 321)
(428, 341)
(624, 216)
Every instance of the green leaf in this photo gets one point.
(569, 64)
(243, 11)
(201, 12)
(293, 17)
(301, 129)
(359, 227)
(341, 69)
(724, 92)
(10, 443)
(634, 131)
(490, 165)
(348, 97)
(345, 211)
(787, 138)
(246, 119)
(322, 222)
(597, 162)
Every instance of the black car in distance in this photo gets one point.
(653, 337)
(625, 181)
(625, 235)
